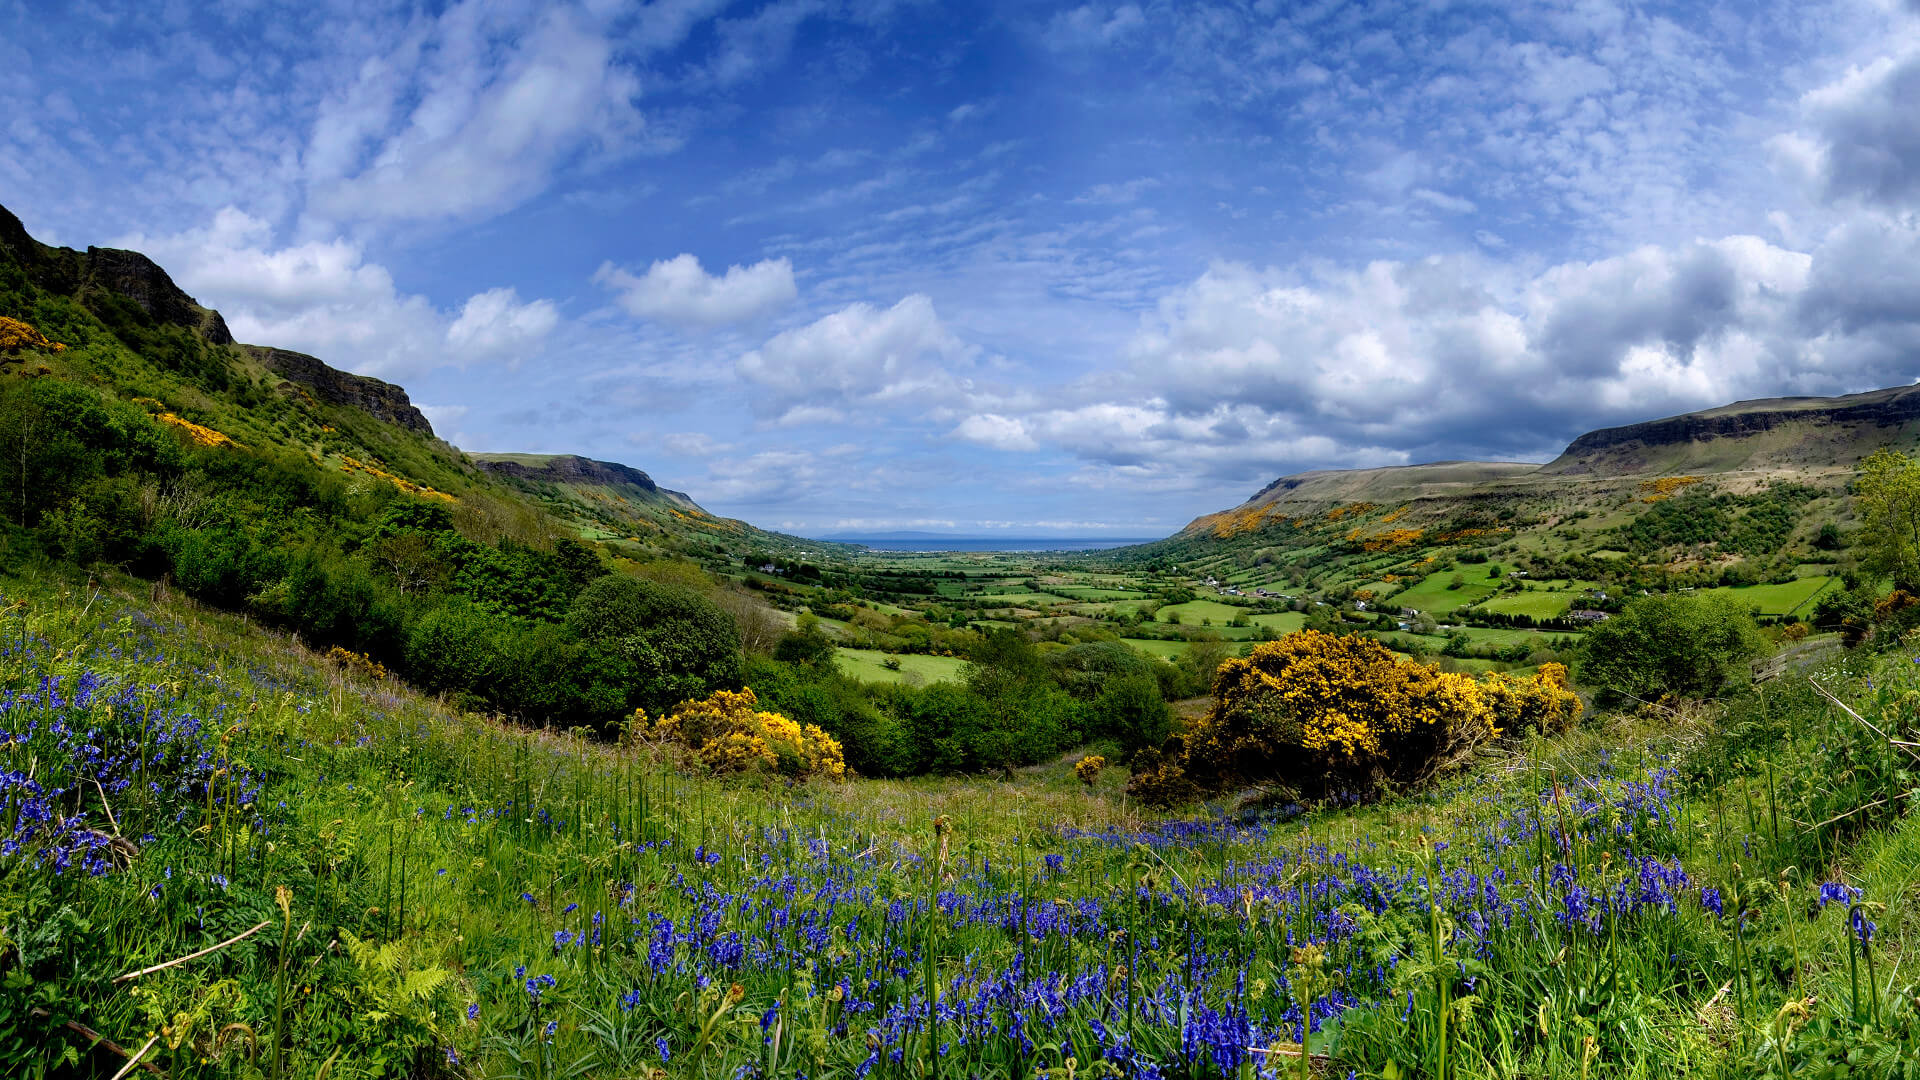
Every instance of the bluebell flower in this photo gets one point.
(1834, 892)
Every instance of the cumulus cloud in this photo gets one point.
(1248, 371)
(325, 298)
(495, 325)
(999, 432)
(1863, 140)
(470, 115)
(679, 292)
(859, 356)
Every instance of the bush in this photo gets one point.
(875, 744)
(1545, 703)
(1324, 715)
(681, 645)
(729, 734)
(1685, 644)
(1087, 769)
(1131, 712)
(1321, 713)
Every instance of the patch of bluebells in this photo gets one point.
(1183, 968)
(75, 741)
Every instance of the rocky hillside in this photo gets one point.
(128, 330)
(1747, 485)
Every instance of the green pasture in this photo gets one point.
(1435, 593)
(1539, 604)
(868, 665)
(1193, 611)
(1793, 597)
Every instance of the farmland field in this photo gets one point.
(1193, 611)
(1165, 650)
(868, 665)
(1285, 622)
(1795, 596)
(1539, 604)
(1434, 594)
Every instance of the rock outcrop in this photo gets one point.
(573, 469)
(381, 400)
(140, 279)
(112, 271)
(1892, 407)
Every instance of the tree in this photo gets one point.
(1131, 712)
(1887, 494)
(1688, 644)
(679, 644)
(807, 645)
(1204, 655)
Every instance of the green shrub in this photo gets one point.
(1685, 644)
(680, 645)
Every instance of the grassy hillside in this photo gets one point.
(232, 858)
(1749, 496)
(127, 332)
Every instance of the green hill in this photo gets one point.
(139, 435)
(131, 334)
(1748, 493)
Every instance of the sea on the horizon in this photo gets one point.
(998, 543)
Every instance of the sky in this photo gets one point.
(1015, 268)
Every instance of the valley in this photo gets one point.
(555, 772)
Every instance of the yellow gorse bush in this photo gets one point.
(1088, 768)
(357, 662)
(1314, 710)
(16, 335)
(1545, 703)
(353, 464)
(1662, 488)
(729, 733)
(204, 436)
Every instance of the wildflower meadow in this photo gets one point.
(226, 856)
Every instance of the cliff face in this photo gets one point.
(570, 469)
(382, 400)
(573, 469)
(110, 271)
(1827, 419)
(140, 279)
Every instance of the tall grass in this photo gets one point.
(443, 895)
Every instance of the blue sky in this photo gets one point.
(850, 265)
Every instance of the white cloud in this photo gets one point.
(694, 444)
(496, 326)
(677, 291)
(1247, 371)
(1439, 200)
(1117, 194)
(999, 432)
(1864, 141)
(1093, 25)
(858, 356)
(468, 116)
(324, 298)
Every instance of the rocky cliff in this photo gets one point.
(572, 469)
(102, 272)
(381, 400)
(1837, 428)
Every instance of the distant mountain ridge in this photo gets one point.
(1807, 438)
(1382, 521)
